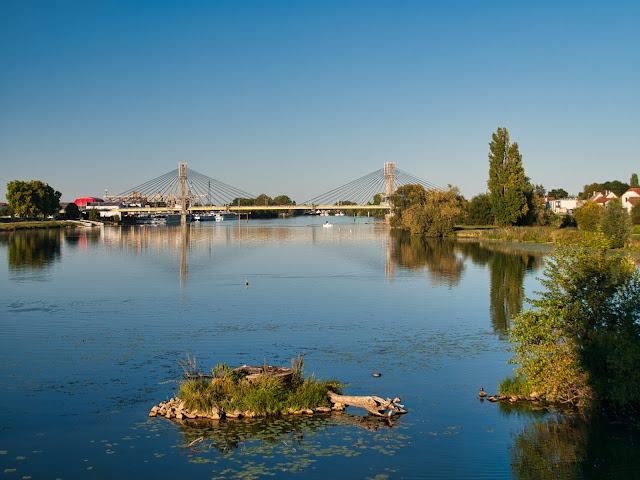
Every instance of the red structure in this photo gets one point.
(82, 201)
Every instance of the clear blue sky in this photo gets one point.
(299, 97)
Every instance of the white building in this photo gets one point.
(630, 198)
(562, 206)
(602, 198)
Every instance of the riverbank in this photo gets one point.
(548, 235)
(12, 226)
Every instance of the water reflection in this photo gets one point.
(226, 435)
(565, 445)
(82, 238)
(437, 255)
(32, 249)
(508, 265)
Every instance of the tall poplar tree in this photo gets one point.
(508, 185)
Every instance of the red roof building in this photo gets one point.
(82, 201)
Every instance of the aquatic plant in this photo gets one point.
(228, 389)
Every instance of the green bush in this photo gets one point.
(580, 341)
(588, 216)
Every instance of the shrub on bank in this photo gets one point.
(580, 341)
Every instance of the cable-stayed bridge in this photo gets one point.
(199, 192)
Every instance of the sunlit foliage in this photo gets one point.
(32, 199)
(510, 190)
(426, 212)
(615, 223)
(581, 340)
(588, 216)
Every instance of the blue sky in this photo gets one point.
(300, 97)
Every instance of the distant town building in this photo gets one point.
(105, 209)
(630, 198)
(602, 198)
(82, 202)
(561, 206)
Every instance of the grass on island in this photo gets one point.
(229, 391)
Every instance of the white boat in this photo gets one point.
(339, 214)
(324, 213)
(222, 216)
(204, 217)
(214, 216)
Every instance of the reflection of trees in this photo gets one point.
(549, 449)
(438, 255)
(571, 446)
(33, 249)
(225, 435)
(508, 266)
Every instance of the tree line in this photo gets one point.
(512, 200)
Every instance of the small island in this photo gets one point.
(259, 391)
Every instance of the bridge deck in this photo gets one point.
(252, 208)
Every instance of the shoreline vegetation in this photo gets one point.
(261, 391)
(578, 344)
(11, 225)
(535, 234)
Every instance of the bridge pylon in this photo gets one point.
(389, 180)
(182, 175)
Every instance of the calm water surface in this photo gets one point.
(94, 322)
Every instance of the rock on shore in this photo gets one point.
(174, 409)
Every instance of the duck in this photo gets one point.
(377, 374)
(246, 282)
(482, 392)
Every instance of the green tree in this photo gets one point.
(616, 186)
(588, 216)
(283, 200)
(377, 199)
(635, 215)
(94, 215)
(426, 212)
(71, 211)
(589, 190)
(615, 223)
(558, 193)
(479, 210)
(508, 185)
(33, 198)
(263, 199)
(243, 202)
(580, 341)
(403, 198)
(536, 210)
(633, 183)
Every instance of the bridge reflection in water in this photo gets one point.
(443, 260)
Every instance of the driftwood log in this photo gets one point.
(374, 405)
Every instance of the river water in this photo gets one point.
(94, 322)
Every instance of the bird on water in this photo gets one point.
(246, 282)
